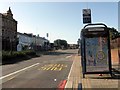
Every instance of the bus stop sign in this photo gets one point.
(86, 16)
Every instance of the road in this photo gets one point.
(46, 71)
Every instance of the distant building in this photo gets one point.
(29, 41)
(24, 41)
(73, 46)
(9, 31)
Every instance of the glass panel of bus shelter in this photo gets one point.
(97, 59)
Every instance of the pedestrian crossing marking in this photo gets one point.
(53, 67)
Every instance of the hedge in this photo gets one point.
(15, 54)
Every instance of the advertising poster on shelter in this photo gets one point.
(96, 54)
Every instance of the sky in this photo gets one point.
(61, 20)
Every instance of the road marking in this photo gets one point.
(69, 56)
(62, 65)
(53, 67)
(19, 71)
(58, 65)
(49, 68)
(12, 77)
(60, 68)
(61, 85)
(65, 65)
(71, 69)
(44, 68)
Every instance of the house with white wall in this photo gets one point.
(30, 41)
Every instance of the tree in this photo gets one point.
(61, 43)
(114, 33)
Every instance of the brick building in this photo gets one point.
(115, 43)
(9, 31)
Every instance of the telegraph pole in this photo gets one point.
(48, 40)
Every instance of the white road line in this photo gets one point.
(66, 86)
(71, 69)
(19, 71)
(69, 56)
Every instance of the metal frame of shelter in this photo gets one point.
(95, 32)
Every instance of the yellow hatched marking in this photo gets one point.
(49, 68)
(62, 65)
(12, 77)
(60, 68)
(65, 65)
(44, 68)
(58, 65)
(55, 67)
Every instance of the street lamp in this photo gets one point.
(35, 43)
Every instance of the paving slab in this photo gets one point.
(91, 81)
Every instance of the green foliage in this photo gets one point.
(6, 55)
(15, 54)
(61, 43)
(114, 33)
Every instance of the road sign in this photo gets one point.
(86, 16)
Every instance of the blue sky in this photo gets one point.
(62, 20)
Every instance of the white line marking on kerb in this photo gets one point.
(71, 69)
(19, 71)
(69, 56)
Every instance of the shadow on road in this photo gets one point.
(58, 53)
(38, 54)
(17, 60)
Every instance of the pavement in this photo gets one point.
(76, 81)
(75, 76)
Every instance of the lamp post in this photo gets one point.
(47, 41)
(35, 43)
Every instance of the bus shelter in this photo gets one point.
(95, 49)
